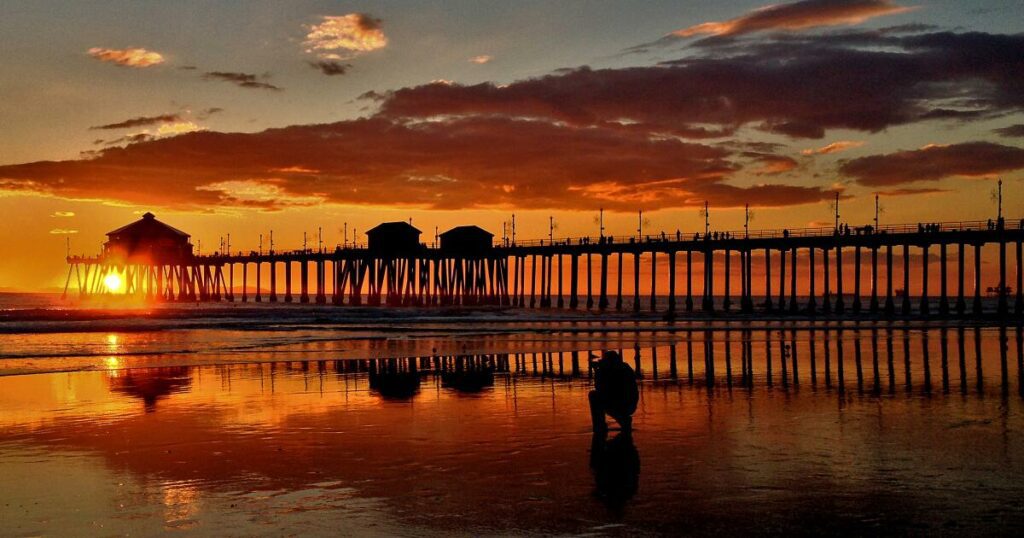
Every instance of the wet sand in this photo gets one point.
(761, 432)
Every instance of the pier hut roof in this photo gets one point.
(393, 227)
(148, 226)
(467, 231)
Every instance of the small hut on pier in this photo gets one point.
(393, 239)
(467, 241)
(148, 240)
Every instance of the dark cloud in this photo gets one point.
(1011, 131)
(244, 80)
(459, 163)
(791, 85)
(930, 163)
(330, 67)
(142, 121)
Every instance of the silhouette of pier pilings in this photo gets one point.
(499, 276)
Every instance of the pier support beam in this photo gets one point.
(636, 281)
(767, 279)
(943, 288)
(924, 307)
(906, 280)
(654, 281)
(826, 292)
(726, 299)
(689, 279)
(856, 279)
(977, 278)
(618, 288)
(672, 282)
(961, 303)
(707, 304)
(602, 302)
(259, 281)
(890, 306)
(839, 276)
(273, 281)
(812, 303)
(873, 305)
(793, 306)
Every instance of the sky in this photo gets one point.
(317, 117)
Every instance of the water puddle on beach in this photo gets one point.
(866, 431)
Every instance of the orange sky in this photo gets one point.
(450, 119)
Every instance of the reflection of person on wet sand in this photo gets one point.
(615, 393)
(616, 467)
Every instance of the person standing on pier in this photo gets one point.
(615, 392)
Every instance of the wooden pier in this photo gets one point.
(498, 276)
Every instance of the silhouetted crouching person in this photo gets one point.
(615, 393)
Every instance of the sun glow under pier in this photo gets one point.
(799, 272)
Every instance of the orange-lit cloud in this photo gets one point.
(341, 37)
(134, 57)
(63, 214)
(63, 231)
(481, 59)
(797, 16)
(834, 147)
(769, 165)
(934, 162)
(484, 162)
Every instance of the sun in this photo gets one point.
(112, 282)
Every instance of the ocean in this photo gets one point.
(270, 420)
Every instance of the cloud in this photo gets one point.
(135, 57)
(486, 162)
(910, 191)
(834, 147)
(63, 214)
(481, 59)
(63, 231)
(934, 162)
(207, 112)
(331, 67)
(141, 121)
(797, 16)
(340, 37)
(785, 85)
(770, 165)
(244, 80)
(1011, 131)
(177, 128)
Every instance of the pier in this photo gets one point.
(800, 272)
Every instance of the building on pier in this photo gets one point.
(147, 240)
(393, 239)
(467, 241)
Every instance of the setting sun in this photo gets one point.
(112, 282)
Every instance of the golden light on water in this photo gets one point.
(113, 282)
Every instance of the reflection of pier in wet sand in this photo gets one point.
(868, 360)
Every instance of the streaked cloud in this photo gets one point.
(797, 16)
(63, 214)
(910, 192)
(1011, 131)
(331, 67)
(834, 147)
(177, 128)
(481, 59)
(486, 162)
(141, 121)
(133, 57)
(934, 162)
(243, 80)
(63, 231)
(340, 37)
